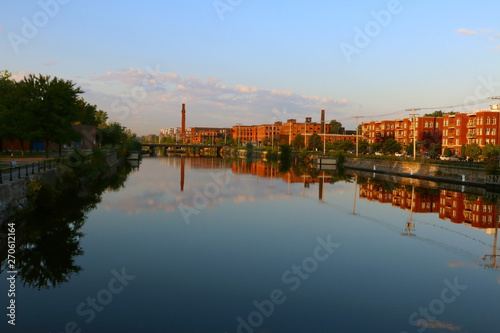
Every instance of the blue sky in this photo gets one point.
(256, 62)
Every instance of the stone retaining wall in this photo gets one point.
(421, 169)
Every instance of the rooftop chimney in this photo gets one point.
(183, 126)
(322, 121)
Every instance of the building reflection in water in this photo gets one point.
(456, 207)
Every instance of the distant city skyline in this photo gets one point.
(255, 63)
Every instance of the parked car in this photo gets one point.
(400, 154)
(378, 153)
(444, 158)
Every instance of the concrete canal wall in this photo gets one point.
(424, 170)
(14, 194)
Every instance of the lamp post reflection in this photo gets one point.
(321, 187)
(491, 259)
(410, 226)
(355, 190)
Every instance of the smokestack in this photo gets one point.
(183, 126)
(322, 121)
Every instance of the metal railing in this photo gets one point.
(15, 171)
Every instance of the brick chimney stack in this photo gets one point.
(322, 121)
(183, 126)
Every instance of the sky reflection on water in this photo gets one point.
(259, 239)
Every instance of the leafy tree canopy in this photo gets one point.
(336, 127)
(315, 142)
(391, 146)
(439, 113)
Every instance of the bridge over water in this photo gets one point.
(197, 148)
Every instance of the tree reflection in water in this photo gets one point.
(48, 238)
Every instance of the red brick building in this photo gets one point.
(428, 130)
(378, 131)
(481, 127)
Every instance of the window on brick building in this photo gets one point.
(425, 124)
(494, 121)
(487, 120)
(458, 122)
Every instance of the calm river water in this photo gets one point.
(191, 245)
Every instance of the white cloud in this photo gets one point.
(209, 102)
(18, 76)
(465, 32)
(497, 36)
(49, 63)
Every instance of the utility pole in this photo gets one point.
(498, 138)
(272, 137)
(239, 133)
(357, 139)
(414, 132)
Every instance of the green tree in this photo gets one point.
(439, 113)
(376, 146)
(409, 147)
(491, 151)
(336, 127)
(249, 148)
(265, 141)
(472, 150)
(391, 146)
(112, 134)
(315, 142)
(298, 142)
(342, 145)
(363, 146)
(150, 138)
(89, 115)
(435, 148)
(52, 105)
(447, 152)
(13, 117)
(167, 140)
(101, 117)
